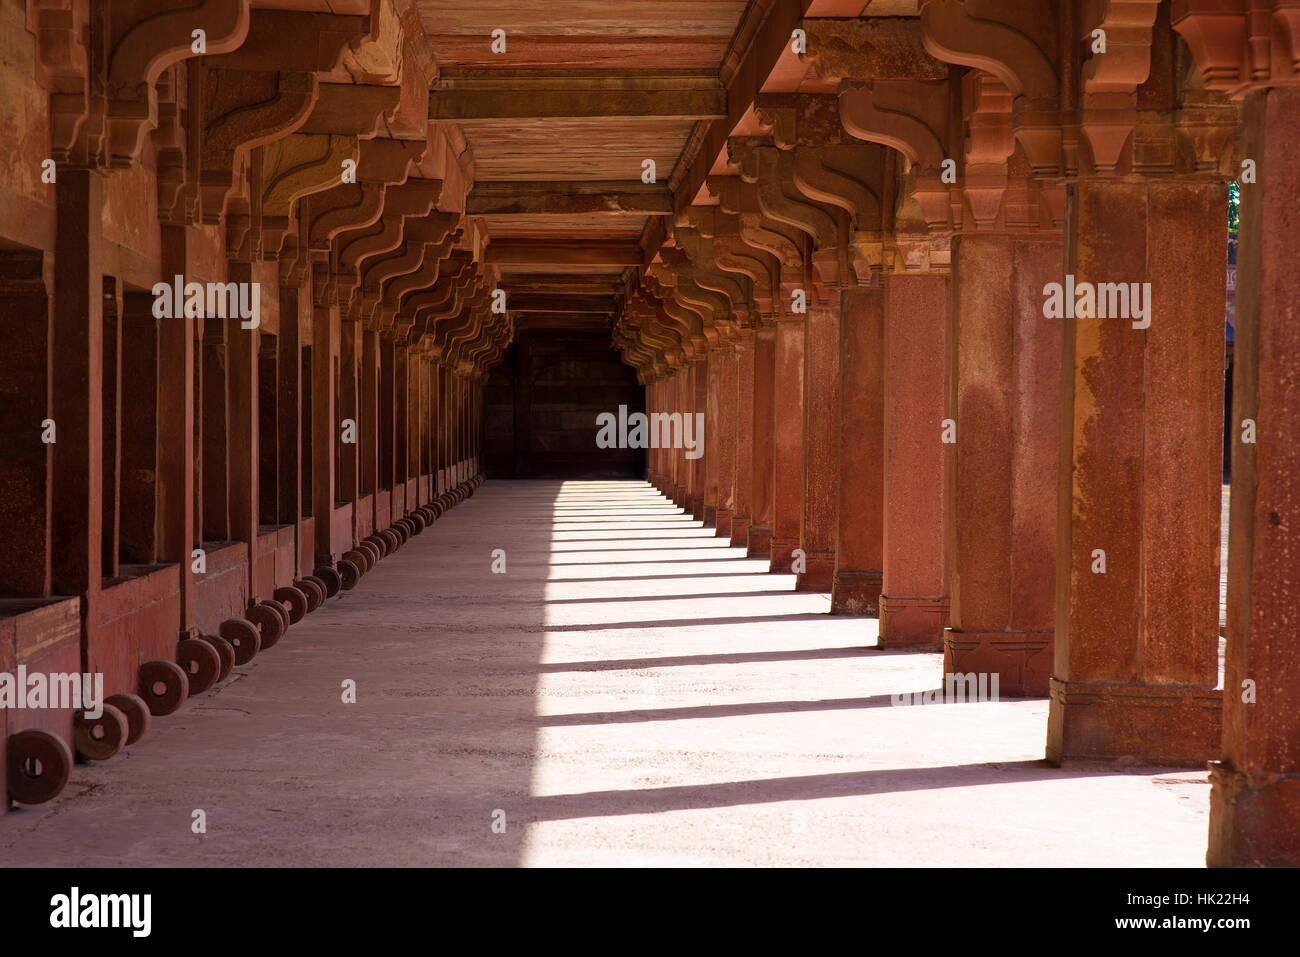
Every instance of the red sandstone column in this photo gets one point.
(401, 424)
(1002, 536)
(859, 555)
(821, 382)
(214, 432)
(764, 431)
(368, 419)
(1136, 654)
(787, 443)
(681, 471)
(268, 427)
(699, 404)
(725, 447)
(387, 359)
(712, 460)
(350, 348)
(243, 346)
(111, 495)
(439, 387)
(176, 508)
(413, 426)
(324, 434)
(742, 495)
(440, 443)
(1255, 795)
(289, 398)
(914, 592)
(650, 408)
(667, 398)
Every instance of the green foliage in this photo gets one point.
(1234, 205)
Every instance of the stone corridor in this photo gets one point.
(554, 433)
(630, 691)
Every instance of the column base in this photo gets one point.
(1170, 726)
(916, 623)
(819, 572)
(1254, 818)
(739, 531)
(781, 555)
(722, 522)
(710, 516)
(679, 498)
(759, 543)
(1022, 659)
(697, 508)
(855, 593)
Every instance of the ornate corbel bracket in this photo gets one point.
(243, 109)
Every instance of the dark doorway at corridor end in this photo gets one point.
(541, 403)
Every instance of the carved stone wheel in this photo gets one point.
(270, 622)
(225, 651)
(243, 637)
(201, 664)
(164, 686)
(330, 576)
(295, 600)
(137, 714)
(38, 764)
(98, 739)
(351, 574)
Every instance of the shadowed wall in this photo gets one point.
(542, 401)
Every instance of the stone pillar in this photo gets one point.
(859, 549)
(243, 346)
(682, 405)
(413, 425)
(1136, 653)
(743, 492)
(759, 543)
(712, 435)
(1255, 794)
(177, 515)
(787, 443)
(324, 426)
(401, 402)
(699, 404)
(1006, 386)
(112, 413)
(25, 341)
(440, 462)
(350, 349)
(387, 380)
(268, 432)
(215, 432)
(725, 447)
(652, 451)
(289, 399)
(426, 426)
(914, 592)
(821, 383)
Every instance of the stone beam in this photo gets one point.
(569, 199)
(531, 101)
(547, 252)
(544, 302)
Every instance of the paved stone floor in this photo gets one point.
(629, 692)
